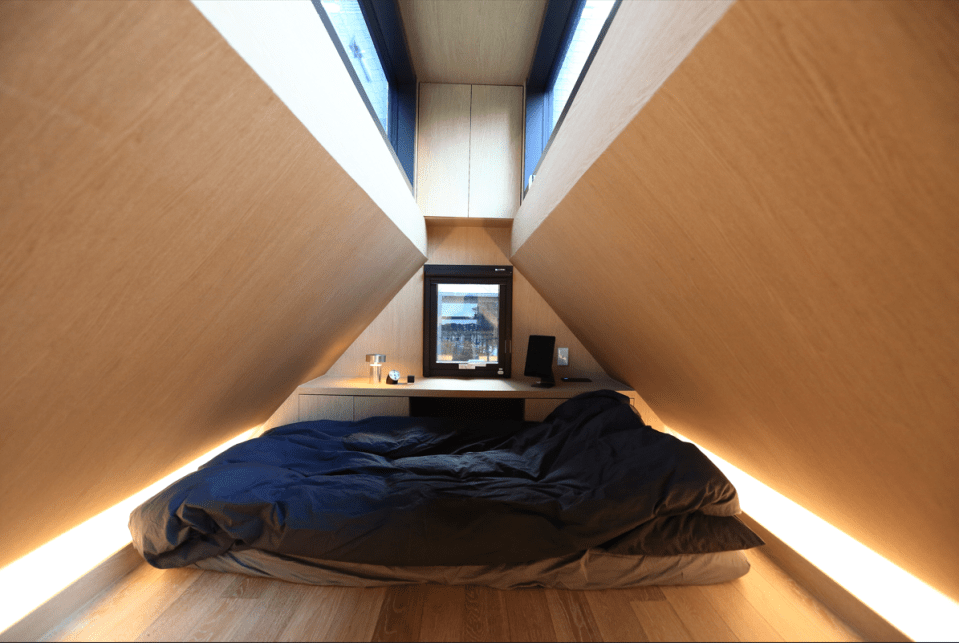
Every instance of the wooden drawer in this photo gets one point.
(369, 406)
(326, 407)
(538, 408)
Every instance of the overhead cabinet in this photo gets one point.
(469, 150)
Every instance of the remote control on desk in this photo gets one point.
(577, 379)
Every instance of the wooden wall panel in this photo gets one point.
(496, 151)
(769, 254)
(443, 150)
(463, 41)
(177, 253)
(645, 43)
(398, 331)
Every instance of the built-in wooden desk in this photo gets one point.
(341, 398)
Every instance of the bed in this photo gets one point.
(590, 498)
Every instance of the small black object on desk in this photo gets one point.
(539, 360)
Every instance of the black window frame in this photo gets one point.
(383, 20)
(434, 274)
(559, 24)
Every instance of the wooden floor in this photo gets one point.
(190, 605)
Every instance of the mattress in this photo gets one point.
(590, 497)
(592, 569)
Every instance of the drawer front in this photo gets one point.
(538, 408)
(288, 413)
(326, 407)
(369, 406)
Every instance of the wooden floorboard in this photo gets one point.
(528, 614)
(660, 621)
(698, 615)
(572, 616)
(196, 613)
(401, 615)
(486, 618)
(357, 619)
(742, 617)
(444, 613)
(614, 615)
(318, 609)
(124, 613)
(192, 605)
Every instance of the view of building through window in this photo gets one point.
(467, 325)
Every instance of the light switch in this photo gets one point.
(562, 357)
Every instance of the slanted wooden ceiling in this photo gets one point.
(769, 254)
(177, 254)
(486, 42)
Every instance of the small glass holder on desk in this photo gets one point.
(376, 360)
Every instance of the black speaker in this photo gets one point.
(539, 360)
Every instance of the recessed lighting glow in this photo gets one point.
(46, 571)
(918, 610)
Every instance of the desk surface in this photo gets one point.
(454, 387)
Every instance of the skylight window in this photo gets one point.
(368, 35)
(572, 32)
(350, 25)
(584, 35)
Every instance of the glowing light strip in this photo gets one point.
(46, 571)
(918, 610)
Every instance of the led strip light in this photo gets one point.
(45, 571)
(918, 610)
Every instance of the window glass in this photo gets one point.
(584, 36)
(467, 323)
(354, 35)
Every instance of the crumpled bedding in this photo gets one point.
(432, 491)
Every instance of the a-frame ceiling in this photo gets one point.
(767, 253)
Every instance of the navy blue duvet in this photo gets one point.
(430, 491)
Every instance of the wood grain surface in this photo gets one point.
(769, 254)
(645, 43)
(190, 604)
(496, 151)
(325, 407)
(463, 41)
(443, 150)
(177, 253)
(469, 151)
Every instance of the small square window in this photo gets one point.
(467, 321)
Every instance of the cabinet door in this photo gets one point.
(443, 150)
(369, 406)
(495, 151)
(326, 407)
(537, 409)
(288, 413)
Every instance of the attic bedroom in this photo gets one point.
(738, 220)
